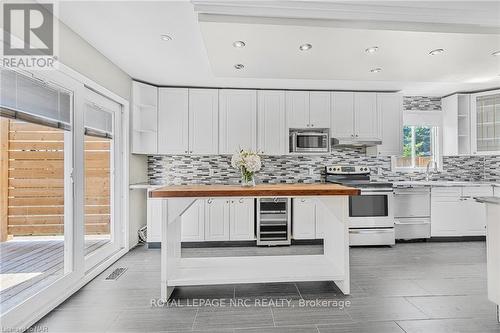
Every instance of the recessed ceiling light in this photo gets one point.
(165, 37)
(496, 53)
(239, 43)
(239, 66)
(376, 70)
(305, 47)
(436, 51)
(372, 49)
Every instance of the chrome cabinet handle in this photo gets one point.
(302, 200)
(241, 200)
(209, 201)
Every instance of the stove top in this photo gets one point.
(355, 176)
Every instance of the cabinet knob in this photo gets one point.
(307, 125)
(312, 125)
(357, 135)
(185, 151)
(302, 200)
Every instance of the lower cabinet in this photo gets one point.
(454, 212)
(307, 218)
(208, 220)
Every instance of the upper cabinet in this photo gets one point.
(203, 121)
(237, 120)
(173, 121)
(355, 115)
(308, 109)
(485, 122)
(271, 131)
(188, 121)
(456, 124)
(390, 112)
(144, 118)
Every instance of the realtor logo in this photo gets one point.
(28, 35)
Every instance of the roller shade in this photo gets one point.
(28, 99)
(98, 115)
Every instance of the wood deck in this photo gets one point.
(27, 267)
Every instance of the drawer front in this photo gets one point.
(412, 228)
(477, 191)
(446, 191)
(361, 237)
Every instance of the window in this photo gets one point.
(420, 146)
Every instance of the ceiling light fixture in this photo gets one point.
(239, 66)
(372, 49)
(436, 52)
(239, 43)
(496, 53)
(305, 47)
(165, 38)
(376, 70)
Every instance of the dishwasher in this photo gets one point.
(412, 212)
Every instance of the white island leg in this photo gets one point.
(172, 209)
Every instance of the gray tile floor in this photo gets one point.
(412, 287)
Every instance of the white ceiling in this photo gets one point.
(201, 54)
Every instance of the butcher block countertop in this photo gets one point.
(261, 190)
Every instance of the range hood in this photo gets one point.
(353, 142)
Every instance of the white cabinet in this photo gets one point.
(272, 136)
(193, 222)
(203, 121)
(355, 115)
(365, 116)
(308, 109)
(242, 219)
(229, 219)
(342, 115)
(496, 191)
(454, 211)
(144, 120)
(217, 220)
(308, 219)
(485, 122)
(237, 120)
(456, 124)
(319, 109)
(173, 121)
(390, 126)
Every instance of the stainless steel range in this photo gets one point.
(371, 215)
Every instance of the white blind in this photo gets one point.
(29, 99)
(98, 116)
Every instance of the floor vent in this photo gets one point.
(116, 273)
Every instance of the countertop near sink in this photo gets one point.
(440, 183)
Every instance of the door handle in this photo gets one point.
(209, 201)
(241, 200)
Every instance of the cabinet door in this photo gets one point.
(154, 218)
(237, 120)
(242, 219)
(319, 109)
(203, 121)
(446, 212)
(320, 220)
(173, 121)
(217, 220)
(365, 116)
(193, 222)
(297, 109)
(304, 218)
(390, 123)
(342, 115)
(474, 213)
(271, 123)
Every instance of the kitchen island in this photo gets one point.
(332, 265)
(493, 248)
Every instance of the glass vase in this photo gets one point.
(247, 179)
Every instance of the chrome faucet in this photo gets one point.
(427, 170)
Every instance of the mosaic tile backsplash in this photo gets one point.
(421, 103)
(216, 169)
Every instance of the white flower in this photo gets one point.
(246, 159)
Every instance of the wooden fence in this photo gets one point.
(33, 201)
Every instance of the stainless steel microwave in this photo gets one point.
(309, 141)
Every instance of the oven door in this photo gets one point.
(372, 209)
(311, 142)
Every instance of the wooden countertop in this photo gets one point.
(261, 190)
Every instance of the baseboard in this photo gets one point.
(458, 239)
(157, 245)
